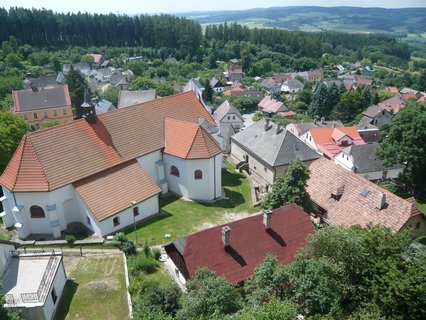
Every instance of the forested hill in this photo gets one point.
(42, 28)
(183, 38)
(346, 19)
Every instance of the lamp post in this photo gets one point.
(134, 221)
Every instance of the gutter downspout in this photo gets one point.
(214, 168)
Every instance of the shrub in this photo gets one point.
(120, 237)
(146, 250)
(142, 263)
(129, 248)
(156, 253)
(70, 238)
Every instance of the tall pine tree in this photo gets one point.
(76, 85)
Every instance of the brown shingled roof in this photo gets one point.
(54, 157)
(188, 140)
(113, 190)
(353, 208)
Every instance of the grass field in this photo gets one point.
(184, 216)
(98, 291)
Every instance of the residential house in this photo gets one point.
(106, 171)
(129, 98)
(98, 59)
(234, 71)
(409, 90)
(104, 106)
(230, 122)
(271, 106)
(280, 78)
(392, 105)
(46, 81)
(252, 94)
(315, 75)
(270, 85)
(39, 106)
(371, 122)
(378, 116)
(393, 90)
(291, 86)
(234, 250)
(33, 283)
(339, 69)
(362, 160)
(217, 85)
(120, 81)
(83, 67)
(101, 75)
(368, 131)
(361, 81)
(265, 149)
(344, 198)
(300, 129)
(302, 74)
(368, 70)
(330, 141)
(195, 86)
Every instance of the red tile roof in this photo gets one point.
(51, 158)
(189, 140)
(113, 190)
(326, 139)
(353, 208)
(96, 57)
(250, 243)
(267, 104)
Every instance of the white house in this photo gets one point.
(107, 171)
(361, 159)
(32, 283)
(230, 122)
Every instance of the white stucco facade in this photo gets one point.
(64, 205)
(208, 187)
(346, 161)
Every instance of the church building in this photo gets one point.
(106, 171)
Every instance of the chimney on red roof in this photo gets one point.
(381, 201)
(226, 236)
(267, 218)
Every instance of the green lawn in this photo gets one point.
(98, 291)
(184, 217)
(4, 234)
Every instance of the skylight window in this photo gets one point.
(365, 192)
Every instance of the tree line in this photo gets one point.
(44, 28)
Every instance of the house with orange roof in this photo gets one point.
(106, 171)
(330, 141)
(98, 59)
(344, 198)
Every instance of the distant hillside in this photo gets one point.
(398, 22)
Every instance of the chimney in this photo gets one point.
(226, 236)
(278, 129)
(34, 88)
(381, 200)
(267, 218)
(334, 124)
(315, 121)
(322, 120)
(266, 125)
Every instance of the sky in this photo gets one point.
(175, 6)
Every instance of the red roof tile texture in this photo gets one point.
(51, 158)
(326, 139)
(113, 190)
(353, 208)
(250, 243)
(189, 140)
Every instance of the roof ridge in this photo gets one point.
(193, 140)
(21, 149)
